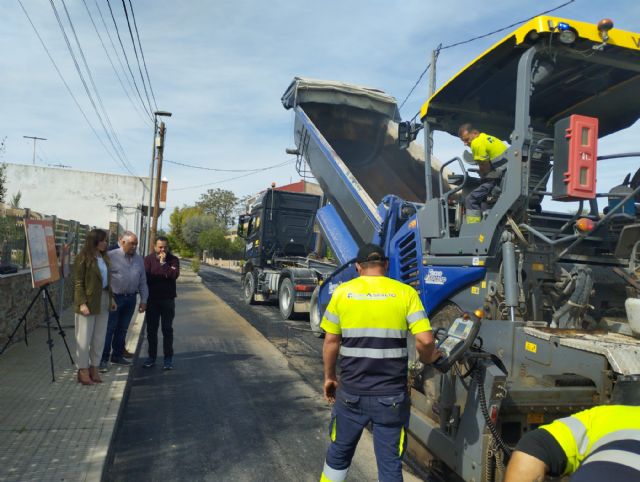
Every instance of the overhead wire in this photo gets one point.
(220, 170)
(106, 51)
(144, 61)
(57, 69)
(478, 37)
(126, 58)
(233, 178)
(114, 136)
(118, 56)
(135, 51)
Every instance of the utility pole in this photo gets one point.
(34, 145)
(146, 247)
(156, 204)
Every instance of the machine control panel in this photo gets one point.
(457, 340)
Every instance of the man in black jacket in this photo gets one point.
(162, 269)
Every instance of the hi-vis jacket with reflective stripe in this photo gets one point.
(373, 314)
(598, 434)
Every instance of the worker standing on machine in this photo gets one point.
(599, 444)
(486, 150)
(367, 322)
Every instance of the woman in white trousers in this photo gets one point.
(92, 299)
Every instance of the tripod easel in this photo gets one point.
(48, 303)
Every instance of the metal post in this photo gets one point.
(146, 247)
(428, 133)
(156, 205)
(34, 145)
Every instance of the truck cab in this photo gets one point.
(280, 243)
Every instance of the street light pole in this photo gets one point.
(34, 146)
(156, 205)
(148, 245)
(145, 246)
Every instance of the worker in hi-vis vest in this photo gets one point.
(367, 322)
(596, 445)
(486, 151)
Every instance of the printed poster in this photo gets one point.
(41, 246)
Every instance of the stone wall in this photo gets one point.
(15, 295)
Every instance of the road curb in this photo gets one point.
(136, 339)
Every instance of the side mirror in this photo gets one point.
(243, 222)
(407, 133)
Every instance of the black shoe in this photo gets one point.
(120, 361)
(168, 363)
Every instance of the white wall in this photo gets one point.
(87, 197)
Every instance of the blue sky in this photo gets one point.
(222, 66)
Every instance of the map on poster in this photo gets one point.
(41, 245)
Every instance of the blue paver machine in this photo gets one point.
(556, 295)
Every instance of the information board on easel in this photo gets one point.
(41, 244)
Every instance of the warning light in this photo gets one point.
(562, 26)
(585, 225)
(479, 313)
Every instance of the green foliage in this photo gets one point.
(3, 181)
(195, 265)
(15, 200)
(220, 204)
(196, 225)
(176, 222)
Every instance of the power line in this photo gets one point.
(117, 145)
(75, 100)
(473, 39)
(106, 51)
(126, 58)
(117, 54)
(232, 178)
(144, 61)
(135, 51)
(221, 170)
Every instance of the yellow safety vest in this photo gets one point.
(587, 432)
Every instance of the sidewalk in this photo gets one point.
(62, 430)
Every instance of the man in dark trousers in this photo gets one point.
(367, 322)
(162, 269)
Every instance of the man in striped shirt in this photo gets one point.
(367, 322)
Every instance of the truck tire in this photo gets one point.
(286, 299)
(314, 314)
(249, 288)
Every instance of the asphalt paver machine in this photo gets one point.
(537, 312)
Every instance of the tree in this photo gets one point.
(3, 182)
(219, 203)
(214, 242)
(196, 225)
(176, 223)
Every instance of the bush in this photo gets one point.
(195, 265)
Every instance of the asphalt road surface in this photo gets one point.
(236, 408)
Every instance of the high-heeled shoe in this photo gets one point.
(94, 374)
(83, 376)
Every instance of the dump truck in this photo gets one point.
(279, 261)
(537, 312)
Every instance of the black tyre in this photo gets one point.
(249, 288)
(286, 299)
(314, 314)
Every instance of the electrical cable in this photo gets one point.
(144, 61)
(473, 39)
(95, 89)
(477, 376)
(106, 51)
(135, 51)
(118, 56)
(221, 170)
(126, 58)
(75, 100)
(231, 178)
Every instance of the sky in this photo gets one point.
(221, 68)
